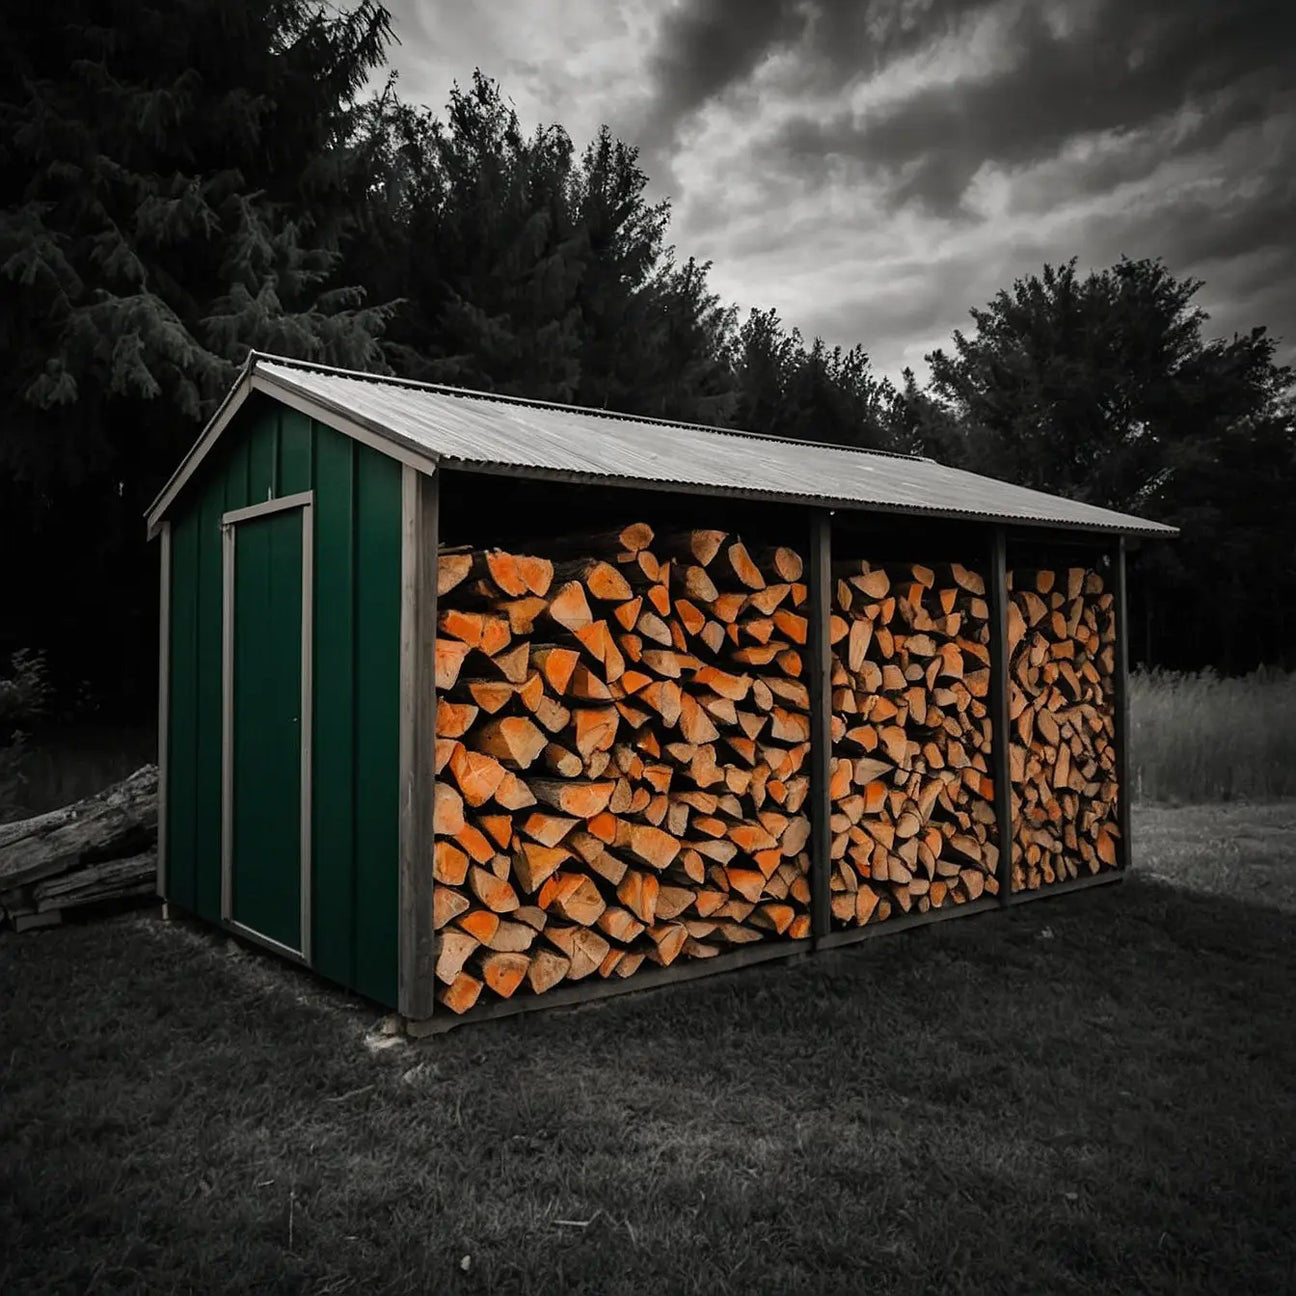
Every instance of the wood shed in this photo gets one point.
(474, 704)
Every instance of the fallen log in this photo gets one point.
(117, 823)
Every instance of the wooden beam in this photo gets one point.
(903, 922)
(587, 992)
(1071, 884)
(820, 722)
(420, 507)
(1002, 733)
(1121, 710)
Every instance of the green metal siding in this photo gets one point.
(208, 581)
(377, 725)
(334, 888)
(270, 451)
(182, 718)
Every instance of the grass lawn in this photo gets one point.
(1093, 1093)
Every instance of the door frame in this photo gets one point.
(304, 500)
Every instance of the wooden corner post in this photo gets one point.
(820, 721)
(1121, 715)
(417, 938)
(1002, 735)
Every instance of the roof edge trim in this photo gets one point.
(587, 411)
(225, 412)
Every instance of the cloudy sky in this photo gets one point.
(872, 168)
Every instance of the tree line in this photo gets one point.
(205, 176)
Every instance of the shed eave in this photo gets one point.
(545, 441)
(348, 421)
(1133, 527)
(276, 379)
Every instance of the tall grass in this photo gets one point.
(1194, 738)
(1206, 738)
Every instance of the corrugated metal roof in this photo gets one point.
(478, 430)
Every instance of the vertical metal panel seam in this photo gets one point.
(307, 720)
(820, 722)
(276, 451)
(405, 937)
(164, 704)
(1001, 737)
(353, 665)
(227, 721)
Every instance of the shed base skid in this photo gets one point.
(575, 995)
(788, 951)
(1071, 884)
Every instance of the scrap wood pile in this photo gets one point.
(100, 849)
(622, 740)
(1061, 644)
(913, 819)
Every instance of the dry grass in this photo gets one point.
(1090, 1093)
(1242, 850)
(1202, 738)
(1194, 739)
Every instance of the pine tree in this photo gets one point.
(494, 255)
(620, 351)
(533, 272)
(810, 395)
(174, 188)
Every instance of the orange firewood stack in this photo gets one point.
(622, 743)
(1061, 679)
(913, 819)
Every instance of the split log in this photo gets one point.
(118, 822)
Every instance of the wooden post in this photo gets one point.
(1121, 709)
(420, 500)
(999, 708)
(820, 722)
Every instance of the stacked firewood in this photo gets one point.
(1061, 644)
(622, 740)
(913, 819)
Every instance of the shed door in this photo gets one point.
(267, 722)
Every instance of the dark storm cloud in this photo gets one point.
(705, 46)
(873, 168)
(1122, 66)
(1067, 111)
(1262, 220)
(916, 306)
